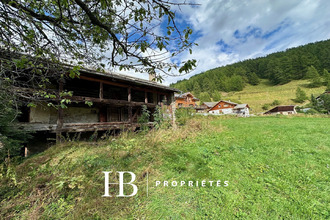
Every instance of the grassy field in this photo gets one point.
(276, 168)
(264, 93)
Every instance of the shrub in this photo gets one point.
(161, 118)
(312, 111)
(144, 118)
(11, 138)
(276, 102)
(300, 96)
(158, 117)
(265, 107)
(183, 114)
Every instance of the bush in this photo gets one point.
(276, 102)
(144, 118)
(161, 118)
(183, 114)
(266, 107)
(11, 138)
(300, 96)
(312, 111)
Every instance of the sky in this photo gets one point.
(228, 31)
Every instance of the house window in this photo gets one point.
(225, 105)
(180, 105)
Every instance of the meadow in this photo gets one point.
(276, 168)
(265, 93)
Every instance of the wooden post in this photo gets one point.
(59, 114)
(145, 97)
(165, 100)
(130, 114)
(130, 108)
(101, 90)
(26, 151)
(173, 108)
(129, 97)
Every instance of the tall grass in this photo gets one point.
(277, 167)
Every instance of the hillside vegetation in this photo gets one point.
(277, 168)
(311, 61)
(265, 93)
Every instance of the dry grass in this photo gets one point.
(264, 93)
(276, 166)
(192, 129)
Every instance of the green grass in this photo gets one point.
(277, 168)
(264, 93)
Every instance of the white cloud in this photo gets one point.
(262, 27)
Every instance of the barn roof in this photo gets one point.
(185, 95)
(239, 106)
(233, 103)
(130, 79)
(106, 74)
(210, 104)
(281, 108)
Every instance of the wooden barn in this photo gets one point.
(117, 102)
(100, 102)
(185, 100)
(282, 109)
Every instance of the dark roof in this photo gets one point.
(134, 80)
(210, 104)
(281, 108)
(239, 106)
(109, 75)
(326, 92)
(228, 102)
(185, 95)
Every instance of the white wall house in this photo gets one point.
(228, 107)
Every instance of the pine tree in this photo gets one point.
(253, 79)
(204, 97)
(300, 96)
(326, 77)
(236, 83)
(216, 96)
(311, 72)
(326, 102)
(314, 77)
(196, 88)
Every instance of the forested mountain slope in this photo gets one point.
(279, 68)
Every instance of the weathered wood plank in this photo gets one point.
(78, 127)
(59, 114)
(109, 101)
(101, 90)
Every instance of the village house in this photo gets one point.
(242, 109)
(318, 98)
(283, 109)
(205, 107)
(185, 100)
(228, 107)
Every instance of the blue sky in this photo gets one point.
(228, 31)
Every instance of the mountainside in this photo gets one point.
(265, 94)
(279, 68)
